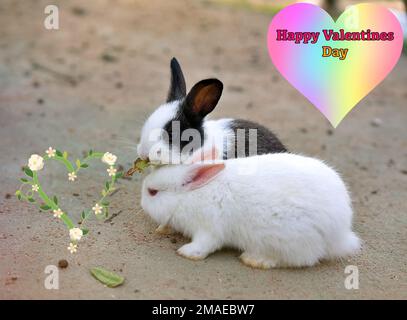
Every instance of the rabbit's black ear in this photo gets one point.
(177, 87)
(203, 98)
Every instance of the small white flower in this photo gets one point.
(58, 213)
(50, 152)
(36, 162)
(97, 208)
(72, 248)
(75, 234)
(72, 176)
(112, 171)
(35, 187)
(109, 158)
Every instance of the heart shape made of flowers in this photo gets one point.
(101, 207)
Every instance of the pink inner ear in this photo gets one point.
(204, 174)
(206, 155)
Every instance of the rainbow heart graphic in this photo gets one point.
(299, 36)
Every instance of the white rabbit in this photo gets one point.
(291, 211)
(180, 126)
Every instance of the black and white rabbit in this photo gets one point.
(179, 127)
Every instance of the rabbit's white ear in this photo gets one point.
(207, 155)
(201, 174)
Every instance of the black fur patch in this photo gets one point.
(267, 141)
(185, 122)
(177, 89)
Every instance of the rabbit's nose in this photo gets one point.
(142, 155)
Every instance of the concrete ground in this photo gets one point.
(93, 82)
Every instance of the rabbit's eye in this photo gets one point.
(152, 192)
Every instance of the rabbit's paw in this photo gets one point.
(257, 261)
(164, 229)
(192, 251)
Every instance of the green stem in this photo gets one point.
(68, 222)
(66, 162)
(95, 155)
(109, 191)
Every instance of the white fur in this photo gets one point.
(219, 135)
(156, 120)
(291, 211)
(217, 132)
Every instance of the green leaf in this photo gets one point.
(118, 176)
(85, 231)
(45, 207)
(65, 155)
(30, 199)
(104, 193)
(84, 165)
(83, 215)
(55, 200)
(28, 172)
(106, 212)
(107, 277)
(18, 192)
(23, 180)
(107, 185)
(58, 153)
(19, 196)
(78, 163)
(105, 203)
(141, 164)
(90, 152)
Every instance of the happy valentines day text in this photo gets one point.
(331, 35)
